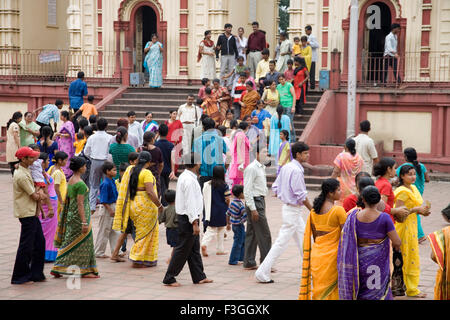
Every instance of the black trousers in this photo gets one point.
(393, 62)
(312, 75)
(42, 125)
(188, 249)
(165, 180)
(30, 258)
(299, 103)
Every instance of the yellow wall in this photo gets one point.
(35, 34)
(8, 108)
(388, 126)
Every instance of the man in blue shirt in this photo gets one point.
(77, 90)
(211, 147)
(49, 112)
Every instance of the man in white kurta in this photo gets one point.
(189, 115)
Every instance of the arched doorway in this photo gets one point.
(373, 42)
(146, 26)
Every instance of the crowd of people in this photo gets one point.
(358, 225)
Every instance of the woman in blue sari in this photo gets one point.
(278, 122)
(154, 62)
(149, 124)
(363, 253)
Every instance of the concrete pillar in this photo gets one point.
(295, 18)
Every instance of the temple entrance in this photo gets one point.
(373, 42)
(146, 26)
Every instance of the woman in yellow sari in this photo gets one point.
(249, 100)
(408, 195)
(440, 244)
(138, 199)
(324, 223)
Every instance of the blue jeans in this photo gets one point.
(238, 249)
(287, 111)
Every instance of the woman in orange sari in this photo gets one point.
(346, 166)
(324, 223)
(440, 245)
(249, 100)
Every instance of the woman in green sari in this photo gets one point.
(74, 233)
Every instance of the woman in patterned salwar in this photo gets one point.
(74, 233)
(364, 250)
(320, 258)
(138, 199)
(440, 245)
(408, 195)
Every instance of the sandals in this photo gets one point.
(117, 259)
(419, 296)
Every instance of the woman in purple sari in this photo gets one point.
(50, 222)
(363, 253)
(65, 138)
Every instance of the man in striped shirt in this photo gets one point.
(236, 217)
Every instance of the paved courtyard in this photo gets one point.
(120, 281)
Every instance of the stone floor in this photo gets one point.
(120, 281)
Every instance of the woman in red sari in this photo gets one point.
(301, 76)
(175, 135)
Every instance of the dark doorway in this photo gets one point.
(146, 26)
(374, 44)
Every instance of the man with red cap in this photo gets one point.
(29, 265)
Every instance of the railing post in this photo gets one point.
(335, 74)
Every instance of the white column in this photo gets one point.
(10, 36)
(295, 18)
(352, 52)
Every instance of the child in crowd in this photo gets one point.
(169, 217)
(37, 173)
(284, 152)
(79, 143)
(93, 122)
(216, 197)
(59, 177)
(289, 73)
(296, 48)
(228, 118)
(236, 217)
(206, 84)
(108, 198)
(234, 74)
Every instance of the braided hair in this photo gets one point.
(411, 156)
(144, 158)
(328, 186)
(280, 111)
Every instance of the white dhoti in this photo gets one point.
(293, 227)
(187, 138)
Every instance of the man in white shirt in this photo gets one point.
(314, 44)
(135, 127)
(255, 191)
(189, 115)
(97, 149)
(391, 54)
(189, 206)
(365, 147)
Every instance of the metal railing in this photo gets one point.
(420, 68)
(57, 65)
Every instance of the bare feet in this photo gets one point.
(104, 256)
(273, 270)
(117, 259)
(91, 276)
(122, 254)
(175, 284)
(28, 283)
(205, 281)
(221, 253)
(135, 265)
(204, 252)
(419, 296)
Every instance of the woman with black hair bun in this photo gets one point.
(138, 200)
(364, 250)
(346, 166)
(421, 178)
(74, 233)
(319, 259)
(408, 195)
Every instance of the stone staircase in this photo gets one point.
(160, 101)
